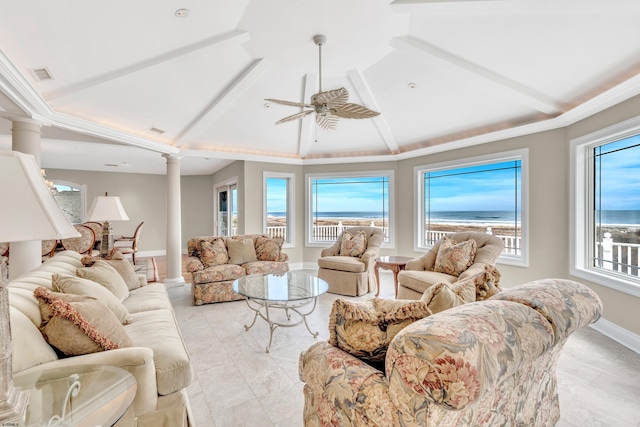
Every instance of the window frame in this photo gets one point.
(521, 260)
(309, 177)
(290, 218)
(582, 239)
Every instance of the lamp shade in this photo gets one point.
(28, 210)
(107, 208)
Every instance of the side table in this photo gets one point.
(393, 263)
(79, 396)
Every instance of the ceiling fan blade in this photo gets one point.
(295, 116)
(333, 98)
(327, 121)
(354, 111)
(293, 104)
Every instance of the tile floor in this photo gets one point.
(239, 384)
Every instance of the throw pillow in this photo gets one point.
(78, 325)
(365, 328)
(68, 284)
(487, 283)
(213, 253)
(443, 296)
(241, 251)
(104, 274)
(454, 258)
(353, 245)
(268, 249)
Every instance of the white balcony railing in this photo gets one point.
(621, 257)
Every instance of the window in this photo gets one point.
(347, 200)
(71, 200)
(606, 203)
(279, 206)
(484, 194)
(226, 202)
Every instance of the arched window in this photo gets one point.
(71, 198)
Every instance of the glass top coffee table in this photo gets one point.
(79, 396)
(290, 292)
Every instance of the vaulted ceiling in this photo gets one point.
(120, 82)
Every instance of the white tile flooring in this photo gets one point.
(239, 384)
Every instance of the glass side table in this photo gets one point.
(78, 396)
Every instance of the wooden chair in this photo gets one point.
(82, 244)
(97, 231)
(129, 245)
(48, 248)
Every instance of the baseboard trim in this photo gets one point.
(618, 334)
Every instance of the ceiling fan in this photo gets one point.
(329, 106)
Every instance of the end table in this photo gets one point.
(393, 263)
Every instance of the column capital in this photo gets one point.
(170, 156)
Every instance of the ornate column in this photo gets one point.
(174, 223)
(25, 138)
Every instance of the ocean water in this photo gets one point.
(607, 217)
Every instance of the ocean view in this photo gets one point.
(627, 218)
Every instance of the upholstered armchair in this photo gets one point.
(430, 269)
(347, 265)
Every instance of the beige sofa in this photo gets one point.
(215, 262)
(157, 358)
(487, 363)
(419, 273)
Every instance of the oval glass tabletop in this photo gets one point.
(291, 286)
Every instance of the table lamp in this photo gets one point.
(29, 212)
(107, 208)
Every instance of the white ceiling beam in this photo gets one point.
(226, 98)
(450, 63)
(308, 123)
(220, 41)
(364, 92)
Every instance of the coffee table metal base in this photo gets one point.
(261, 309)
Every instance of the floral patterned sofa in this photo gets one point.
(215, 262)
(485, 363)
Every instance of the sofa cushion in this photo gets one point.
(443, 296)
(342, 263)
(353, 246)
(122, 265)
(107, 276)
(213, 252)
(266, 267)
(218, 273)
(454, 258)
(365, 328)
(151, 297)
(156, 329)
(29, 349)
(268, 249)
(77, 324)
(68, 284)
(241, 251)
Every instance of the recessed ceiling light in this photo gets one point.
(182, 13)
(155, 130)
(412, 85)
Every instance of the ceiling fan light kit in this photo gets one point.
(329, 106)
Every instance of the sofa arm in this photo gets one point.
(194, 264)
(342, 390)
(424, 263)
(485, 343)
(136, 360)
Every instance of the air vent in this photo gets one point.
(156, 130)
(41, 74)
(111, 165)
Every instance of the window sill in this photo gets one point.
(610, 281)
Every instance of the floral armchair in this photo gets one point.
(486, 363)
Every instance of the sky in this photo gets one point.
(620, 176)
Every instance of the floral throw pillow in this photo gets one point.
(454, 258)
(365, 328)
(353, 245)
(268, 249)
(213, 253)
